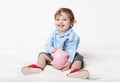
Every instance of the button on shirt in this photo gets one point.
(68, 42)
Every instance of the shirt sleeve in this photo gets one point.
(72, 46)
(49, 44)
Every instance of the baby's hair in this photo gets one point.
(67, 11)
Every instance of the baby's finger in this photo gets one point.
(65, 68)
(49, 59)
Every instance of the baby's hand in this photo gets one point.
(66, 66)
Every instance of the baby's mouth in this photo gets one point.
(61, 26)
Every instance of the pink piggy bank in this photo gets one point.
(59, 58)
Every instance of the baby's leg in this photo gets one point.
(43, 58)
(77, 72)
(36, 68)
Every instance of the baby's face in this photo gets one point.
(62, 22)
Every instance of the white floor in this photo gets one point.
(103, 65)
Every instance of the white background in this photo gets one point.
(26, 24)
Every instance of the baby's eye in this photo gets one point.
(64, 19)
(57, 19)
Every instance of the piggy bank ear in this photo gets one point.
(66, 54)
(53, 54)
